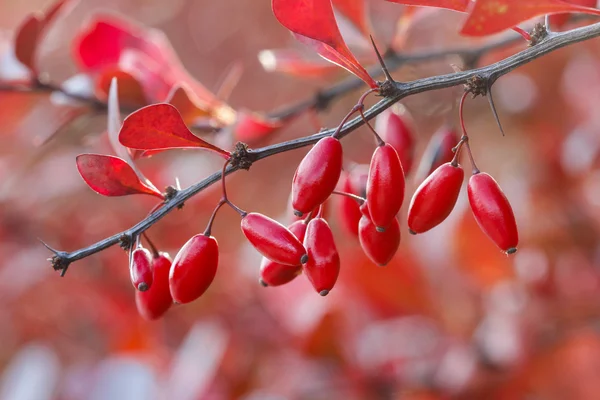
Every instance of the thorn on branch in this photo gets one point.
(242, 156)
(538, 34)
(481, 86)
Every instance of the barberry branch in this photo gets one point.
(553, 41)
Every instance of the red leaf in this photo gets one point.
(356, 12)
(160, 126)
(131, 92)
(492, 16)
(144, 53)
(456, 5)
(30, 33)
(111, 176)
(314, 19)
(251, 127)
(293, 62)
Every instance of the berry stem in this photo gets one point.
(309, 217)
(522, 32)
(224, 198)
(320, 212)
(360, 105)
(212, 217)
(359, 199)
(155, 253)
(380, 141)
(547, 23)
(464, 140)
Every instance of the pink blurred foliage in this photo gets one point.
(449, 317)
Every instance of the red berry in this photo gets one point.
(435, 198)
(323, 265)
(194, 268)
(275, 274)
(493, 212)
(140, 269)
(393, 126)
(385, 186)
(380, 247)
(317, 175)
(349, 209)
(154, 302)
(438, 151)
(273, 240)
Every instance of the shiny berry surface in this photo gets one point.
(493, 212)
(273, 240)
(323, 265)
(385, 186)
(194, 268)
(380, 247)
(275, 274)
(156, 301)
(317, 175)
(140, 270)
(435, 198)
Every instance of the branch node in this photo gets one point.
(242, 156)
(126, 241)
(477, 86)
(170, 193)
(60, 259)
(388, 89)
(538, 34)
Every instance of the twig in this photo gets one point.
(554, 41)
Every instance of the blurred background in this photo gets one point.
(450, 317)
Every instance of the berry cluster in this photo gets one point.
(371, 198)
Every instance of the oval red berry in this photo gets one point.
(154, 302)
(317, 175)
(194, 268)
(385, 186)
(435, 198)
(272, 239)
(380, 247)
(493, 212)
(323, 265)
(275, 274)
(140, 269)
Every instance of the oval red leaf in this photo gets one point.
(111, 176)
(160, 126)
(315, 20)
